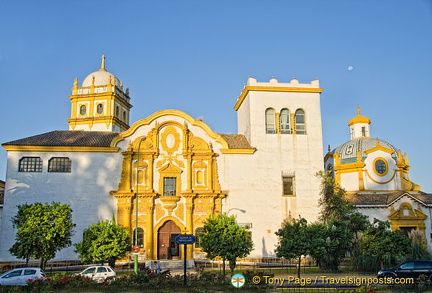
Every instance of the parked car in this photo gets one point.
(21, 276)
(99, 273)
(409, 269)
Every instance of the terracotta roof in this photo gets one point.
(385, 199)
(236, 141)
(67, 138)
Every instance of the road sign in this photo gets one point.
(136, 248)
(185, 239)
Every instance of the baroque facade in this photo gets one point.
(168, 172)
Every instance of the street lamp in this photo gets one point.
(136, 206)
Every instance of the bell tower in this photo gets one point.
(100, 104)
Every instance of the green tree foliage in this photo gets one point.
(333, 202)
(357, 222)
(332, 242)
(103, 241)
(327, 244)
(380, 242)
(294, 240)
(223, 237)
(42, 230)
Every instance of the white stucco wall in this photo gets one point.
(86, 189)
(254, 181)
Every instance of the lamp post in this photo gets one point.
(136, 207)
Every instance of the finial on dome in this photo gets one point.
(358, 110)
(377, 142)
(103, 64)
(328, 148)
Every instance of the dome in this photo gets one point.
(101, 78)
(347, 152)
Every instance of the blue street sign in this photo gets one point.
(185, 239)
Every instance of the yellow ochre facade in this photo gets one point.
(168, 150)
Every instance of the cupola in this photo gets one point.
(100, 104)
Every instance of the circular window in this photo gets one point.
(99, 108)
(83, 110)
(381, 167)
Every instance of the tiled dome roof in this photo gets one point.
(348, 151)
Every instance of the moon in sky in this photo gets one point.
(350, 68)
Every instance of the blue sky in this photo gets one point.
(195, 56)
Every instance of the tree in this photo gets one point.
(223, 237)
(333, 201)
(42, 230)
(103, 241)
(293, 240)
(331, 243)
(380, 242)
(357, 222)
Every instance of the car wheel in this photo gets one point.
(390, 277)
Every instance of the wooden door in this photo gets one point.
(167, 247)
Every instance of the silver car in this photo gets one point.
(21, 276)
(99, 273)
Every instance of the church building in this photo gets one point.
(165, 174)
(375, 175)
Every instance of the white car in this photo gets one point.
(99, 273)
(21, 276)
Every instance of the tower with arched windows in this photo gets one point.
(100, 104)
(283, 121)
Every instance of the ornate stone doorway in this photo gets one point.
(167, 247)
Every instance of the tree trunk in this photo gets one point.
(232, 264)
(42, 263)
(111, 262)
(223, 265)
(299, 267)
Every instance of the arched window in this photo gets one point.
(99, 108)
(270, 120)
(117, 111)
(197, 232)
(285, 121)
(140, 237)
(300, 122)
(83, 109)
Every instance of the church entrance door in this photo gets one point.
(167, 247)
